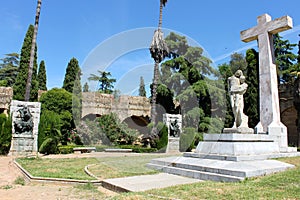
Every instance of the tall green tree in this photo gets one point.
(42, 77)
(251, 97)
(31, 72)
(72, 72)
(142, 90)
(9, 69)
(285, 58)
(225, 71)
(77, 98)
(20, 83)
(238, 62)
(184, 75)
(105, 83)
(86, 87)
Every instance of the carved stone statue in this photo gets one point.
(237, 88)
(25, 123)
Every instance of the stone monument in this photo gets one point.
(270, 122)
(232, 156)
(174, 124)
(25, 119)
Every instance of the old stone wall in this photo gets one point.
(288, 112)
(6, 95)
(124, 106)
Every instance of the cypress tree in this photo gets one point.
(20, 84)
(142, 91)
(71, 75)
(85, 87)
(42, 78)
(251, 97)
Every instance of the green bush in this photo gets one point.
(59, 101)
(187, 139)
(49, 121)
(138, 149)
(162, 141)
(117, 132)
(51, 142)
(5, 134)
(66, 149)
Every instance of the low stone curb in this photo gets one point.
(31, 178)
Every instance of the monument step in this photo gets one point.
(202, 175)
(217, 170)
(203, 165)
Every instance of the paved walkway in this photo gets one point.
(8, 173)
(146, 182)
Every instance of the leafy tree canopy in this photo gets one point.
(105, 83)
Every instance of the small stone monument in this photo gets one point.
(25, 121)
(174, 124)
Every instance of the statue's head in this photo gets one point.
(238, 73)
(242, 79)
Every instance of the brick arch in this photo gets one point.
(138, 122)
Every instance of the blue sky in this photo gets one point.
(115, 35)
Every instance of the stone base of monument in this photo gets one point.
(173, 145)
(227, 157)
(21, 145)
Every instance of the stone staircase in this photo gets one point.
(216, 170)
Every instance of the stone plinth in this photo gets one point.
(22, 144)
(236, 146)
(25, 143)
(173, 145)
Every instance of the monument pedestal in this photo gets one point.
(235, 147)
(173, 145)
(227, 157)
(22, 144)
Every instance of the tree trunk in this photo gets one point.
(154, 93)
(32, 51)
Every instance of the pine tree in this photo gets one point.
(9, 69)
(72, 72)
(42, 78)
(105, 83)
(20, 84)
(251, 97)
(284, 56)
(142, 91)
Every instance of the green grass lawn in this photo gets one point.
(73, 168)
(69, 168)
(284, 185)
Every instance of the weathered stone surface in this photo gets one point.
(6, 94)
(268, 93)
(24, 143)
(124, 106)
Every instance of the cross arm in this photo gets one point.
(272, 27)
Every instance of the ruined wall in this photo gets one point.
(124, 106)
(6, 95)
(288, 112)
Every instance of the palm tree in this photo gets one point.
(105, 83)
(32, 51)
(159, 50)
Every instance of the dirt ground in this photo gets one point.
(9, 190)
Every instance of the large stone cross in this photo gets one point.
(268, 89)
